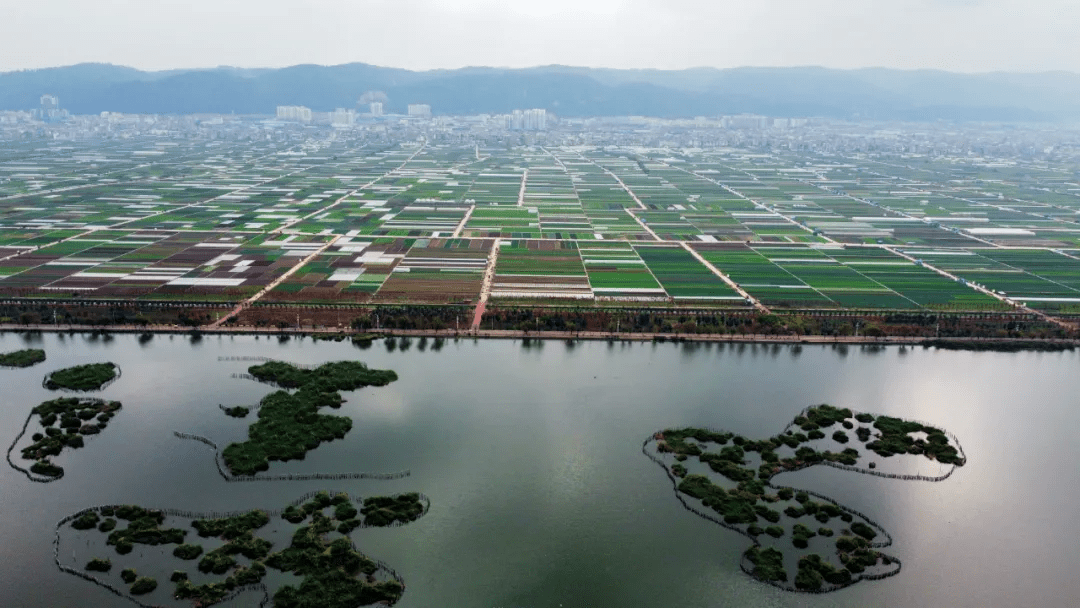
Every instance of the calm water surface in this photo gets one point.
(541, 497)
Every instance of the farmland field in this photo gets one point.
(354, 222)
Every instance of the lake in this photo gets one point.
(540, 494)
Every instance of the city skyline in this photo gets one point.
(951, 35)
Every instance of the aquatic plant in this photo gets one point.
(289, 425)
(740, 496)
(89, 377)
(22, 358)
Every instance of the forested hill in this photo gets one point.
(566, 91)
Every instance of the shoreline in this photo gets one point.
(953, 343)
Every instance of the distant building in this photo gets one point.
(528, 120)
(536, 120)
(343, 118)
(376, 109)
(49, 109)
(294, 113)
(788, 123)
(746, 121)
(420, 110)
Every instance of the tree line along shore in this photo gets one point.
(621, 318)
(403, 337)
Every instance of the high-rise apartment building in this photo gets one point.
(49, 109)
(294, 113)
(342, 117)
(420, 110)
(529, 120)
(376, 109)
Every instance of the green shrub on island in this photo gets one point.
(863, 530)
(89, 377)
(849, 544)
(736, 509)
(859, 559)
(768, 564)
(22, 358)
(86, 521)
(329, 377)
(99, 565)
(107, 526)
(143, 585)
(46, 469)
(247, 575)
(743, 504)
(896, 439)
(216, 562)
(238, 411)
(767, 514)
(826, 415)
(808, 578)
(71, 414)
(334, 573)
(143, 528)
(231, 527)
(345, 511)
(385, 510)
(203, 595)
(289, 424)
(347, 526)
(813, 572)
(128, 575)
(801, 535)
(293, 515)
(188, 552)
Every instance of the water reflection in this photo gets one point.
(540, 493)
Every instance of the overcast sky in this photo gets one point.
(955, 35)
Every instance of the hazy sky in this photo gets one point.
(957, 35)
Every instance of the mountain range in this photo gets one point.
(872, 93)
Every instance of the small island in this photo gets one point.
(334, 573)
(85, 378)
(236, 412)
(64, 424)
(802, 541)
(22, 358)
(289, 424)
